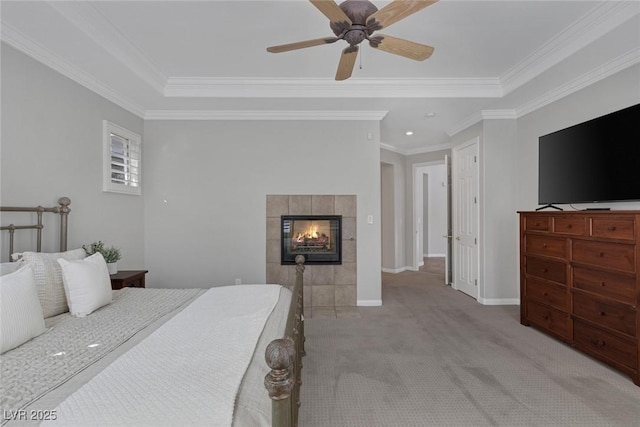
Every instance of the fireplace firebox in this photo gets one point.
(316, 237)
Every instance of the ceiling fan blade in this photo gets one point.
(331, 10)
(406, 48)
(395, 11)
(301, 45)
(347, 62)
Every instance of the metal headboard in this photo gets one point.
(62, 209)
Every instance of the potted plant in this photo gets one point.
(110, 254)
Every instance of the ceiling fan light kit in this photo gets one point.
(355, 21)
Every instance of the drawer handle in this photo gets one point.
(544, 245)
(537, 224)
(546, 318)
(545, 270)
(612, 228)
(602, 284)
(601, 254)
(545, 294)
(599, 343)
(602, 313)
(569, 225)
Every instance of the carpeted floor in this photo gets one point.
(431, 356)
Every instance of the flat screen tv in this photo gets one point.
(594, 161)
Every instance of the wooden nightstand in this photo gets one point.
(128, 279)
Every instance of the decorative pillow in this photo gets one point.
(48, 278)
(20, 311)
(8, 267)
(86, 283)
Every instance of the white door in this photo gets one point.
(465, 218)
(448, 260)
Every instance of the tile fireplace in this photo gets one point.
(316, 237)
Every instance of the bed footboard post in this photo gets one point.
(63, 210)
(280, 381)
(300, 284)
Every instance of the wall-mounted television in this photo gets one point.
(594, 161)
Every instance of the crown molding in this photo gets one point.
(417, 150)
(392, 148)
(428, 149)
(198, 87)
(506, 114)
(263, 115)
(593, 25)
(589, 78)
(94, 24)
(30, 48)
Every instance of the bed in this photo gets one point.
(136, 358)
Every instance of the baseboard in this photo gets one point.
(499, 301)
(435, 255)
(398, 270)
(369, 302)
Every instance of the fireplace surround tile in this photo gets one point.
(273, 228)
(321, 274)
(345, 274)
(345, 296)
(300, 205)
(323, 296)
(326, 286)
(348, 250)
(345, 205)
(277, 205)
(273, 250)
(322, 205)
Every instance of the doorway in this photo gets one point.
(431, 211)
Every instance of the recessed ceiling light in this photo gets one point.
(409, 133)
(430, 114)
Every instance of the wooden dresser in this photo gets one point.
(579, 281)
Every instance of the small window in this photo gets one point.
(122, 160)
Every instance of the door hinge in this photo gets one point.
(475, 282)
(475, 159)
(475, 240)
(475, 199)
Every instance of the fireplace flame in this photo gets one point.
(310, 233)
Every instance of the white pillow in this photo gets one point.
(8, 267)
(20, 312)
(48, 278)
(86, 283)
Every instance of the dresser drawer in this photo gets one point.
(574, 226)
(537, 223)
(614, 315)
(548, 318)
(555, 271)
(546, 246)
(598, 342)
(616, 286)
(618, 256)
(547, 293)
(622, 228)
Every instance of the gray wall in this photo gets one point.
(614, 93)
(52, 147)
(388, 215)
(393, 240)
(206, 187)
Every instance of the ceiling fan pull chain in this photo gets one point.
(360, 58)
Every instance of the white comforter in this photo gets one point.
(186, 373)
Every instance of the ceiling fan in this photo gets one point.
(355, 20)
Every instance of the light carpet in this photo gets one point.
(432, 356)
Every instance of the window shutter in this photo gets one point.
(122, 160)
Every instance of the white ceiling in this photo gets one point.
(208, 59)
